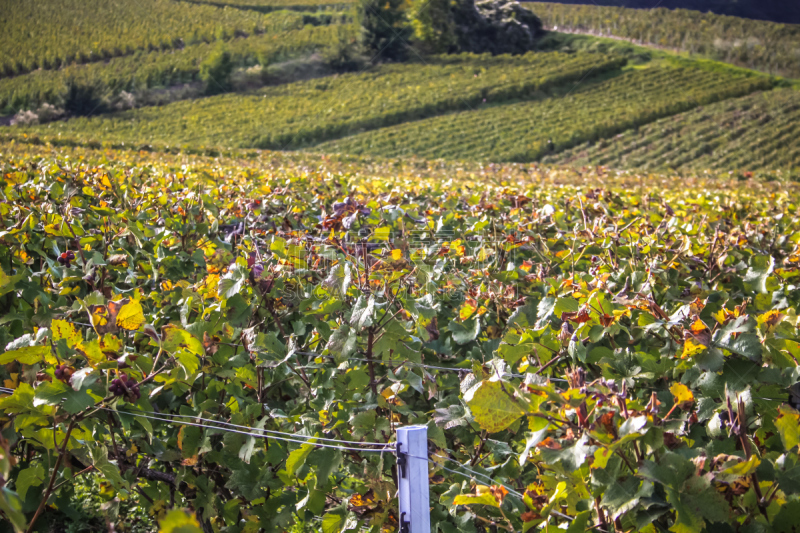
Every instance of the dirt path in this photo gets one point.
(591, 33)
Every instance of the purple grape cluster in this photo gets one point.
(65, 258)
(64, 373)
(124, 386)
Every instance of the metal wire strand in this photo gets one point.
(475, 477)
(472, 474)
(412, 363)
(267, 431)
(249, 434)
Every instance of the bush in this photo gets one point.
(45, 113)
(384, 29)
(125, 100)
(434, 26)
(25, 118)
(344, 55)
(215, 71)
(85, 98)
(493, 26)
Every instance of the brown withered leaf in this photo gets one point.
(606, 420)
(550, 444)
(433, 329)
(699, 332)
(118, 260)
(104, 317)
(499, 492)
(606, 320)
(210, 343)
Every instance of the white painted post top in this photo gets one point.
(412, 482)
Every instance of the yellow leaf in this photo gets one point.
(681, 393)
(178, 521)
(92, 352)
(64, 330)
(397, 255)
(468, 309)
(770, 320)
(691, 348)
(742, 469)
(28, 355)
(720, 316)
(131, 316)
(495, 406)
(11, 383)
(324, 416)
(601, 457)
(180, 438)
(698, 326)
(486, 498)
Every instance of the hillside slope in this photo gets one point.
(764, 46)
(49, 34)
(305, 113)
(782, 11)
(527, 131)
(758, 131)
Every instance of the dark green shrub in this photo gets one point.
(384, 29)
(215, 71)
(85, 98)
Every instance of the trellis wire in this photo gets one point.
(477, 476)
(268, 431)
(412, 363)
(388, 448)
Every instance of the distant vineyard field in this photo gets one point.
(268, 5)
(527, 131)
(774, 10)
(305, 113)
(49, 34)
(144, 69)
(766, 46)
(759, 131)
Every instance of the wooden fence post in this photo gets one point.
(412, 479)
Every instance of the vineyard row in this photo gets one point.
(305, 113)
(759, 131)
(765, 46)
(87, 31)
(527, 131)
(144, 70)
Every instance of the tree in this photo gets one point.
(344, 55)
(215, 71)
(384, 29)
(434, 25)
(493, 26)
(85, 98)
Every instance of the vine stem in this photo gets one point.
(370, 341)
(53, 476)
(276, 318)
(493, 523)
(600, 516)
